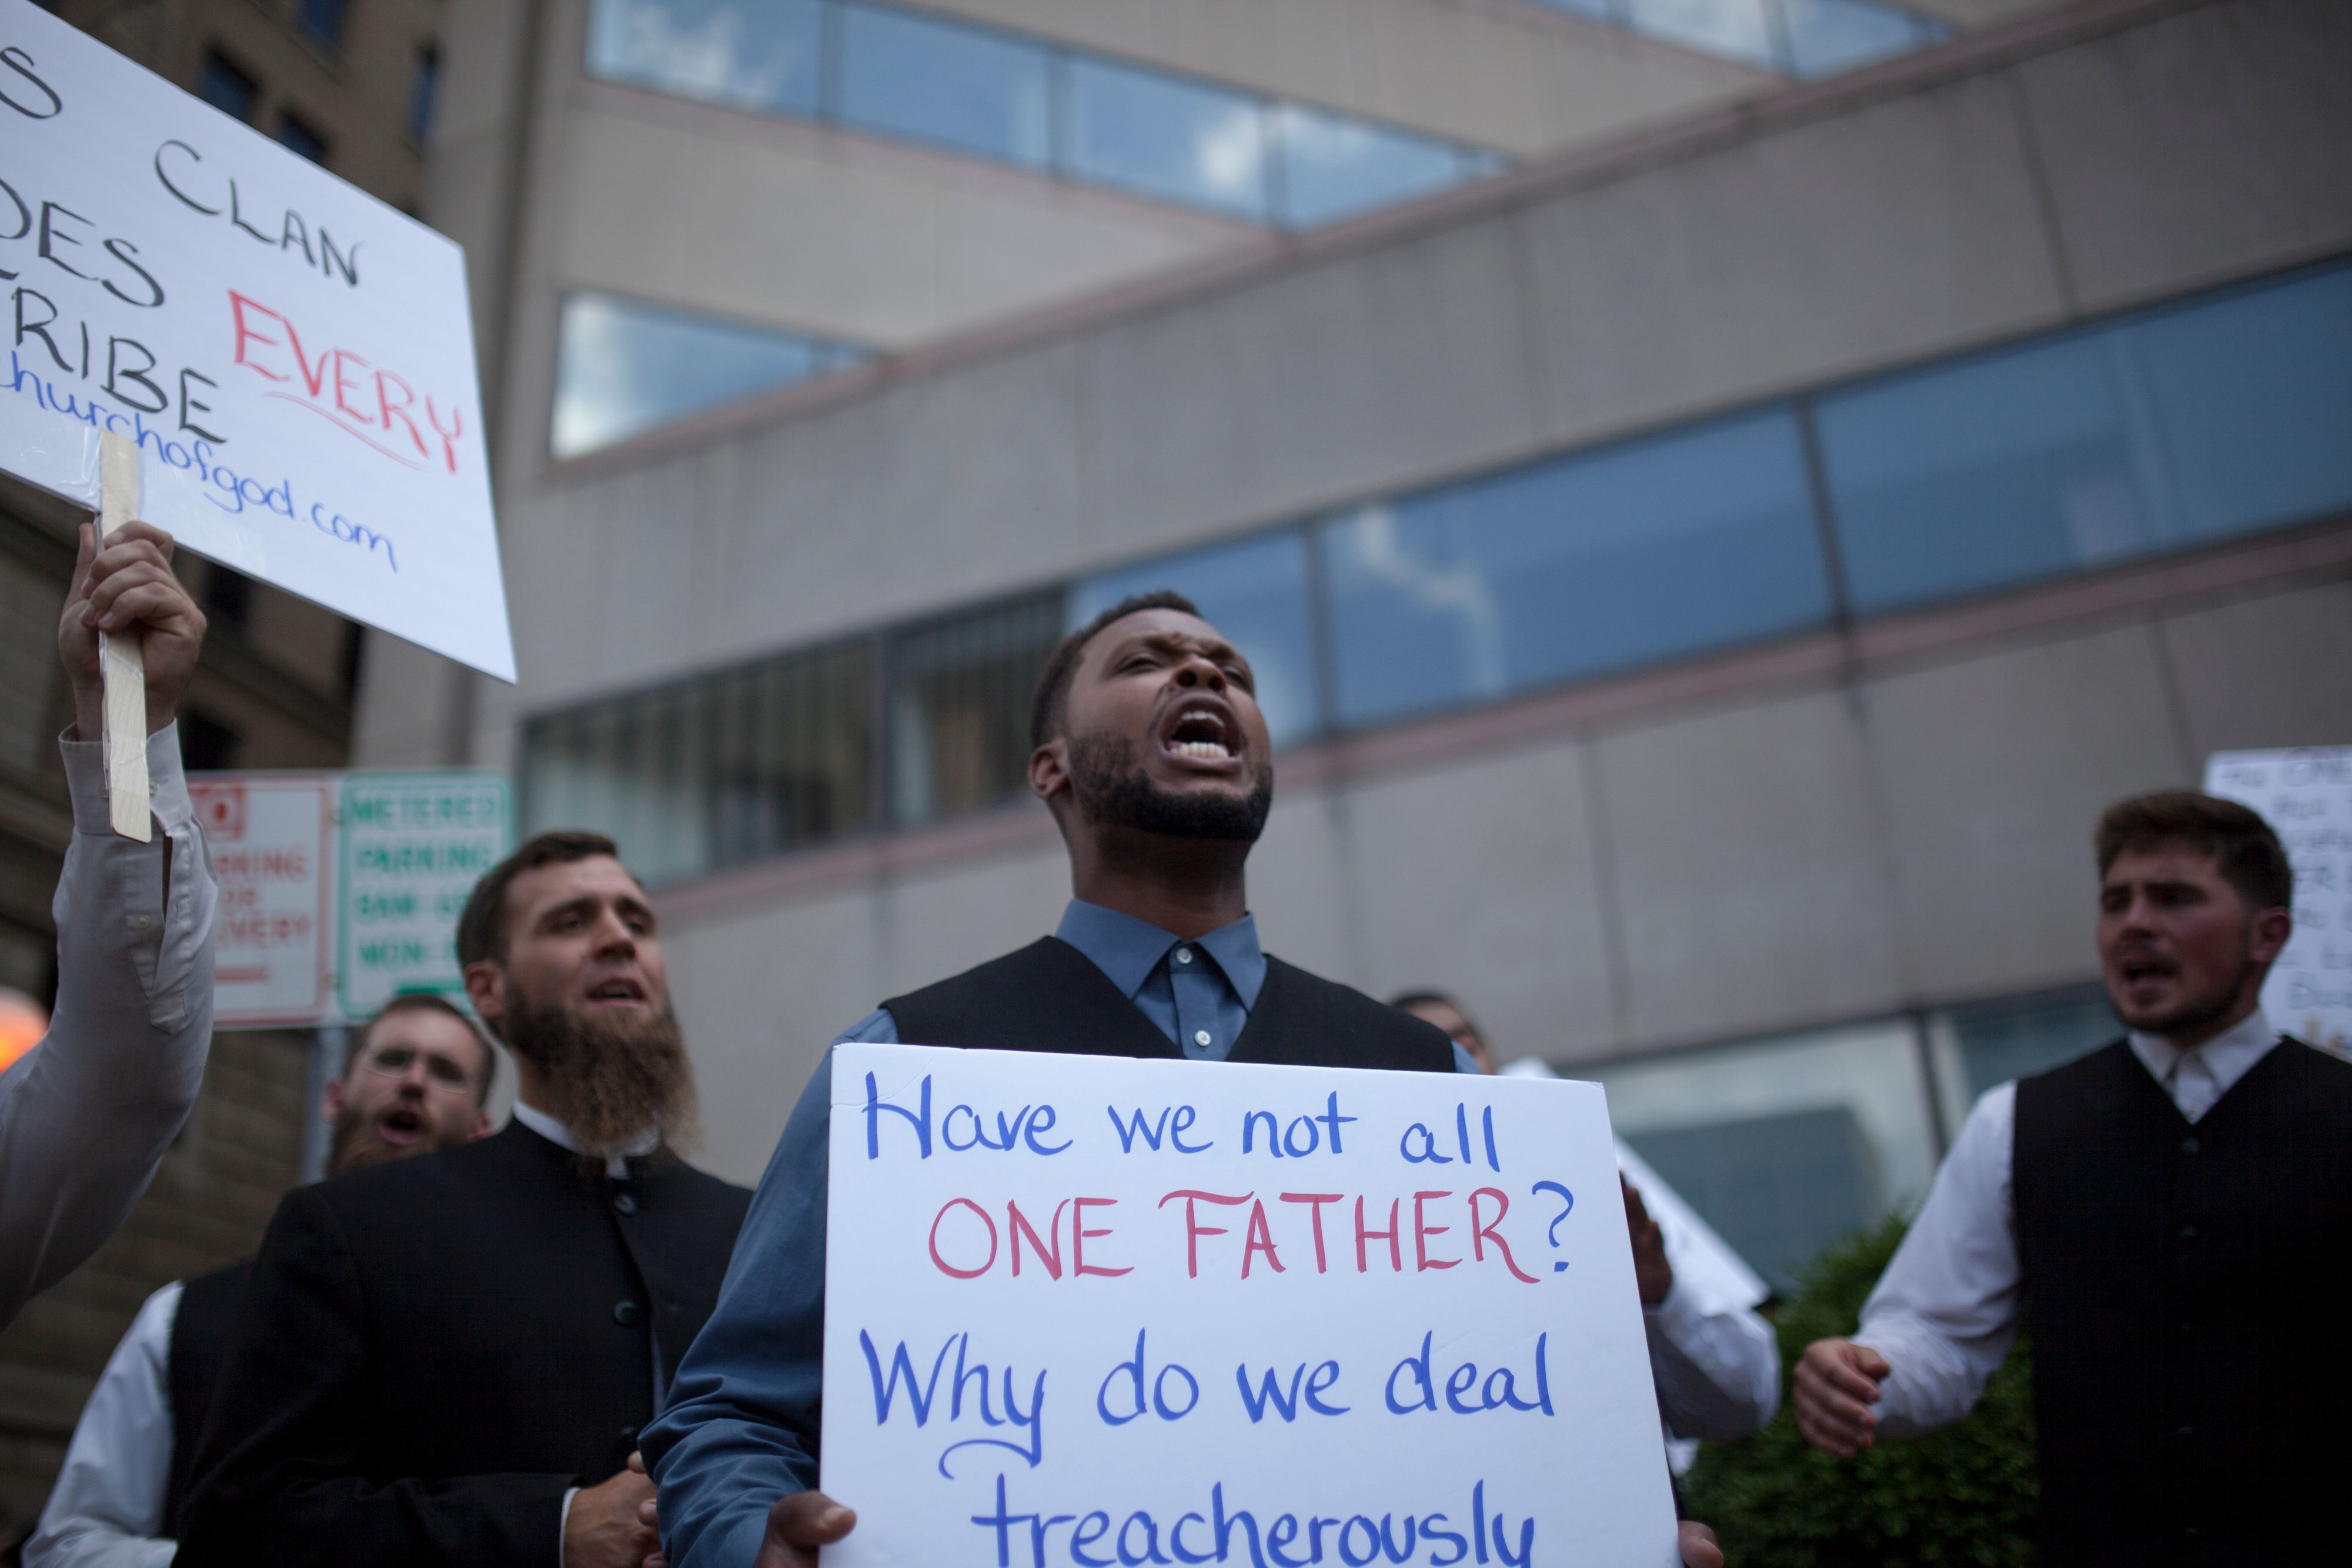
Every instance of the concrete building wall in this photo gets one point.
(1851, 826)
(1857, 228)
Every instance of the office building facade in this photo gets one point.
(1707, 564)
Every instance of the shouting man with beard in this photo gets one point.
(446, 1360)
(415, 1080)
(2169, 1217)
(1149, 747)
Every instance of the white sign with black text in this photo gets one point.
(293, 359)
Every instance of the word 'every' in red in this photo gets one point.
(375, 405)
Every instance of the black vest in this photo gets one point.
(2185, 1287)
(210, 1305)
(1050, 997)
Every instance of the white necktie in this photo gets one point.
(2194, 1089)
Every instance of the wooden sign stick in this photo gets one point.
(119, 662)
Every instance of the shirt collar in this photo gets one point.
(2229, 1056)
(1127, 949)
(556, 1133)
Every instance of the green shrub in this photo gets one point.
(1966, 1495)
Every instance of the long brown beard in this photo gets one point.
(609, 1080)
(357, 1144)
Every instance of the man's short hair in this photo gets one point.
(482, 928)
(2246, 851)
(1409, 1000)
(1049, 709)
(427, 1002)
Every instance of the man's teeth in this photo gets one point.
(1212, 750)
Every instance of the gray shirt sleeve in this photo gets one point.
(85, 1115)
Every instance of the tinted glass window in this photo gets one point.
(227, 88)
(2096, 447)
(2002, 1041)
(1182, 141)
(960, 690)
(424, 92)
(726, 770)
(1573, 567)
(933, 81)
(1332, 165)
(300, 137)
(1777, 1189)
(755, 53)
(1736, 29)
(322, 20)
(1255, 591)
(623, 367)
(1826, 35)
(2015, 466)
(2250, 401)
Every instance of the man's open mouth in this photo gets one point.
(1202, 729)
(401, 1124)
(620, 990)
(2137, 970)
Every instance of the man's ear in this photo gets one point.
(1049, 769)
(485, 988)
(481, 1125)
(330, 1106)
(2267, 933)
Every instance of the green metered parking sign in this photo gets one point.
(414, 844)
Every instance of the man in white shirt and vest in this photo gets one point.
(2171, 1215)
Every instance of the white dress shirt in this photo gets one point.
(85, 1115)
(107, 1508)
(1715, 1361)
(1944, 1312)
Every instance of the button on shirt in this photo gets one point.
(1944, 1312)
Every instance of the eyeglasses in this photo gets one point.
(395, 1061)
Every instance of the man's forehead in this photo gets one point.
(561, 882)
(2168, 859)
(419, 1028)
(1160, 628)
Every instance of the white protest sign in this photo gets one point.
(293, 359)
(269, 837)
(340, 891)
(2306, 795)
(1085, 1309)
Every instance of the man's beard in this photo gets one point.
(610, 1080)
(2192, 1015)
(1112, 791)
(357, 1144)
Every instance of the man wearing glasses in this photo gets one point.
(417, 1079)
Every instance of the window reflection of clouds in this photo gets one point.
(1457, 593)
(624, 368)
(1015, 98)
(764, 57)
(1151, 132)
(1333, 166)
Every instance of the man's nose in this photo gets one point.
(613, 934)
(1199, 672)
